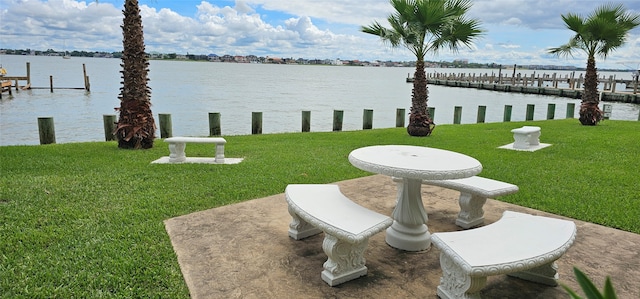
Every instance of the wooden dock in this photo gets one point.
(7, 82)
(545, 84)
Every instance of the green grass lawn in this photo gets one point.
(86, 219)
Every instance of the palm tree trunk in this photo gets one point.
(136, 126)
(590, 113)
(420, 123)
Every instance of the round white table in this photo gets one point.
(413, 164)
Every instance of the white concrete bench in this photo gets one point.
(474, 192)
(347, 227)
(520, 245)
(178, 144)
(526, 137)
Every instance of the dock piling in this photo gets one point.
(214, 124)
(46, 130)
(256, 123)
(507, 113)
(457, 115)
(166, 129)
(306, 121)
(400, 117)
(109, 122)
(551, 111)
(530, 109)
(482, 111)
(338, 116)
(367, 119)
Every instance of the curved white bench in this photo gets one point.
(474, 192)
(526, 137)
(178, 144)
(518, 244)
(347, 227)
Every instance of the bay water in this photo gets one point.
(189, 91)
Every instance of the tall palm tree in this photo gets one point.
(136, 127)
(424, 26)
(600, 33)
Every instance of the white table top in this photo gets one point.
(415, 162)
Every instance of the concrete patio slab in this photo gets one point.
(244, 251)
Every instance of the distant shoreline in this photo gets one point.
(301, 61)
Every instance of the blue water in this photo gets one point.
(189, 91)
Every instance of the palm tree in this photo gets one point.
(136, 127)
(600, 33)
(424, 26)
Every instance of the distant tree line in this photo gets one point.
(253, 58)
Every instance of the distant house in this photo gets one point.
(274, 60)
(213, 57)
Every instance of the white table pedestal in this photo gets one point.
(413, 164)
(409, 230)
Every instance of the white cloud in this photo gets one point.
(301, 28)
(510, 46)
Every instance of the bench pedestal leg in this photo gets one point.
(534, 138)
(456, 284)
(176, 152)
(520, 140)
(471, 212)
(300, 229)
(219, 153)
(346, 261)
(545, 274)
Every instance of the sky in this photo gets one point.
(516, 31)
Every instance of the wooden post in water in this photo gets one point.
(214, 124)
(400, 116)
(28, 73)
(306, 121)
(166, 129)
(86, 78)
(457, 115)
(367, 119)
(572, 81)
(482, 111)
(51, 83)
(530, 109)
(580, 78)
(613, 83)
(109, 121)
(571, 107)
(551, 111)
(337, 120)
(46, 130)
(256, 123)
(507, 113)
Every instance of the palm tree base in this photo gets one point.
(146, 143)
(590, 114)
(419, 131)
